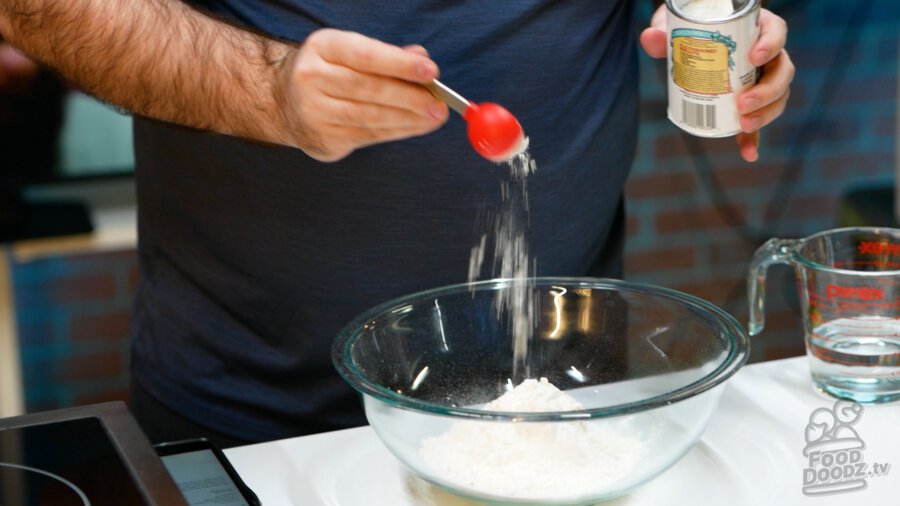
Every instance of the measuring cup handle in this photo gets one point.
(774, 251)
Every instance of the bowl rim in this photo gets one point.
(737, 354)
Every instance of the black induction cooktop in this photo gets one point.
(87, 456)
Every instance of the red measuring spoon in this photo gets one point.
(493, 131)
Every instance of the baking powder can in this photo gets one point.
(709, 65)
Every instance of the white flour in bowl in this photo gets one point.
(707, 9)
(533, 460)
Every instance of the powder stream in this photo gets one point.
(511, 261)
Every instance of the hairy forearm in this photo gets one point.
(157, 58)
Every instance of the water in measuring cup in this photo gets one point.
(857, 358)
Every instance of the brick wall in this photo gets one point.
(73, 314)
(695, 221)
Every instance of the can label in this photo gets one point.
(709, 66)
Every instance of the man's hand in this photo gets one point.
(763, 102)
(329, 95)
(17, 71)
(340, 91)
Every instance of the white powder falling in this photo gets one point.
(533, 460)
(707, 9)
(511, 259)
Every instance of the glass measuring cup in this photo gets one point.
(848, 281)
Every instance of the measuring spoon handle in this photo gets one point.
(453, 99)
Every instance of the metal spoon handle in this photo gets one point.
(453, 99)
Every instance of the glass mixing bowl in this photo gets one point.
(647, 365)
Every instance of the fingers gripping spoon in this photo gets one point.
(493, 131)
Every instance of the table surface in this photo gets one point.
(750, 454)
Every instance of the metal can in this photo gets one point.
(709, 65)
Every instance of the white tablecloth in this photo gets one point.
(751, 454)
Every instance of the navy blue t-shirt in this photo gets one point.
(253, 257)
